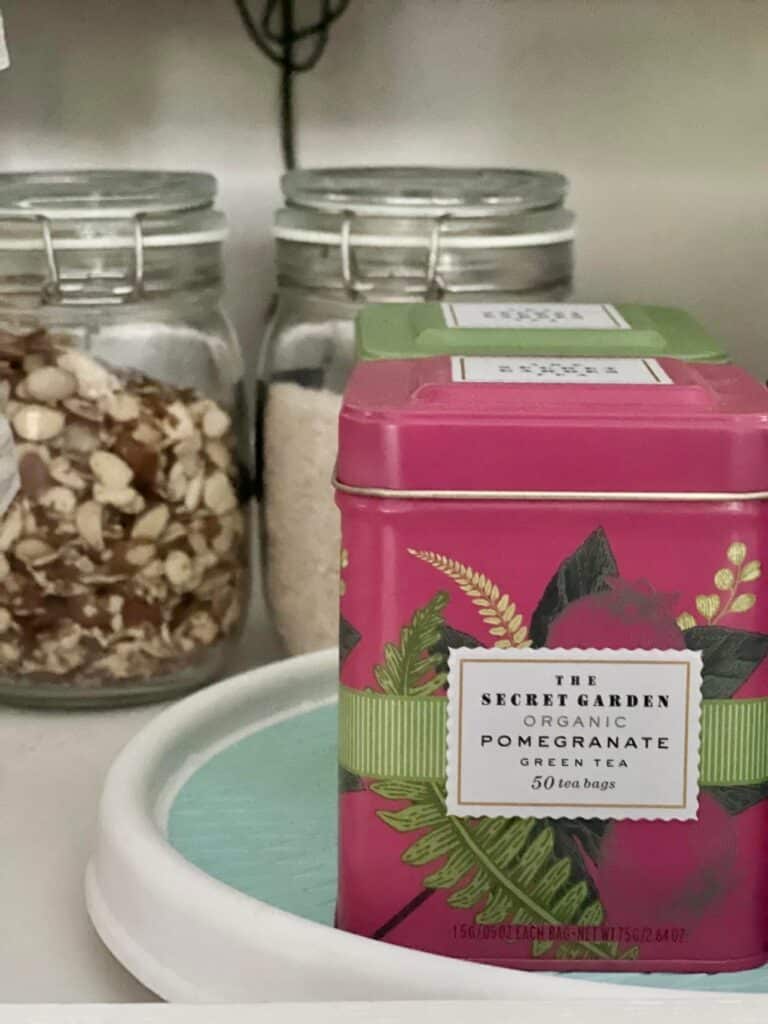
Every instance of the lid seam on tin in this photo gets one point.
(459, 495)
(519, 241)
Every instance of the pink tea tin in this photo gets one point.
(554, 688)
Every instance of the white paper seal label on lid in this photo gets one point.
(9, 466)
(606, 734)
(527, 316)
(556, 370)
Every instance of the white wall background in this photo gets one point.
(656, 109)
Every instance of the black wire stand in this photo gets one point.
(295, 48)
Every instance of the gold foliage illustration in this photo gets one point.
(736, 553)
(728, 581)
(498, 612)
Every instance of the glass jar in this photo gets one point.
(355, 235)
(124, 554)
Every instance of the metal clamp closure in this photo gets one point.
(352, 285)
(58, 290)
(355, 286)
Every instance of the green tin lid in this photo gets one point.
(413, 330)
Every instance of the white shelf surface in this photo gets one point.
(52, 768)
(747, 1010)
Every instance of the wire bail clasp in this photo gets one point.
(354, 285)
(433, 287)
(58, 289)
(50, 291)
(137, 290)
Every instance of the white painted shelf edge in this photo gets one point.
(734, 1010)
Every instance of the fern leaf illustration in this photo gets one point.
(409, 669)
(506, 869)
(498, 612)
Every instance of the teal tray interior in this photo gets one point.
(261, 816)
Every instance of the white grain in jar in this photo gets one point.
(350, 236)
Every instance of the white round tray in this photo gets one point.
(192, 938)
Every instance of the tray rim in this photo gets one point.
(165, 919)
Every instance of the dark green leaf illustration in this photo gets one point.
(577, 837)
(584, 572)
(590, 833)
(349, 782)
(410, 668)
(455, 638)
(736, 799)
(349, 638)
(451, 639)
(506, 869)
(730, 656)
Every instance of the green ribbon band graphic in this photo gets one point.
(381, 736)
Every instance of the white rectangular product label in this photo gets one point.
(584, 316)
(574, 734)
(556, 370)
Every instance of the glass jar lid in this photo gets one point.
(422, 229)
(424, 207)
(424, 191)
(96, 236)
(104, 209)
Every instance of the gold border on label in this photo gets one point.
(573, 661)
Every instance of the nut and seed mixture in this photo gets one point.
(122, 555)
